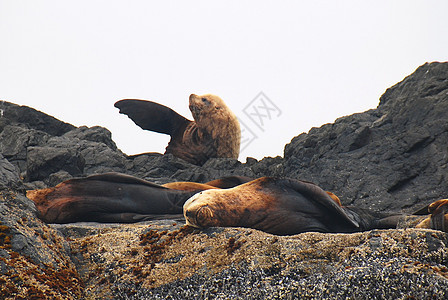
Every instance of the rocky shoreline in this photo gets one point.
(392, 158)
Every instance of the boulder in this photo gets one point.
(390, 158)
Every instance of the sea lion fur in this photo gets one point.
(274, 205)
(215, 131)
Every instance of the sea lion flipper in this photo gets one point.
(152, 116)
(116, 177)
(134, 217)
(315, 193)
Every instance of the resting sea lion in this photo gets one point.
(116, 197)
(278, 206)
(282, 207)
(215, 131)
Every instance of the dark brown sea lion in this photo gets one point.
(116, 197)
(215, 131)
(282, 207)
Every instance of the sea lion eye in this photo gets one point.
(205, 100)
(203, 216)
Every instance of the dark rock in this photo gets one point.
(94, 134)
(9, 175)
(44, 161)
(27, 117)
(391, 158)
(14, 143)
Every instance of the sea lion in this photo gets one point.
(274, 205)
(438, 218)
(282, 207)
(116, 197)
(215, 131)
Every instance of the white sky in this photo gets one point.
(315, 60)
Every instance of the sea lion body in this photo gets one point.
(278, 206)
(110, 197)
(215, 131)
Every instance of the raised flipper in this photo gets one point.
(153, 116)
(105, 197)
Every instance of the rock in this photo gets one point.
(34, 258)
(94, 134)
(164, 260)
(44, 161)
(390, 158)
(9, 175)
(14, 143)
(27, 117)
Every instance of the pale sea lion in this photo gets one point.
(215, 131)
(282, 207)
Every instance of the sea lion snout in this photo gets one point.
(197, 212)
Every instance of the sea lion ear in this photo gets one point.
(152, 116)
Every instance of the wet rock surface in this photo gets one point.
(391, 158)
(167, 259)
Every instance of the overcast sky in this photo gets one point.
(283, 67)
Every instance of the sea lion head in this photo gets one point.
(207, 104)
(214, 119)
(245, 205)
(199, 211)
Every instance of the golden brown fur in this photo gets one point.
(188, 186)
(215, 131)
(214, 118)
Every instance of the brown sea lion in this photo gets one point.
(116, 197)
(278, 206)
(282, 207)
(438, 218)
(215, 131)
